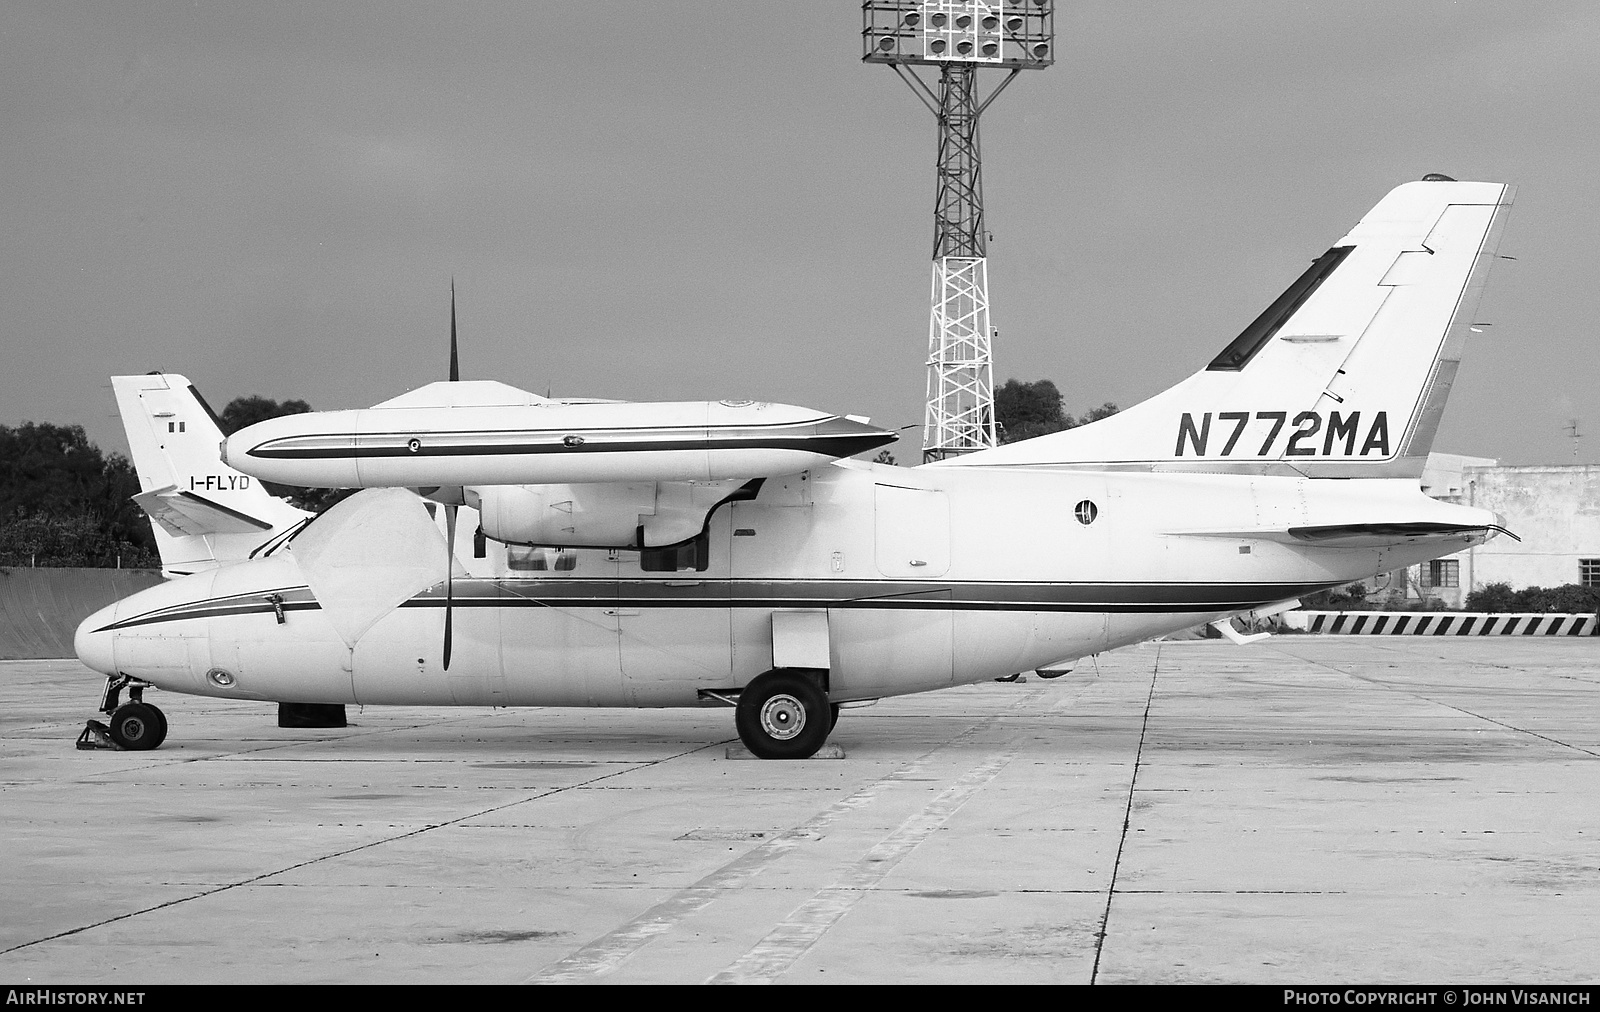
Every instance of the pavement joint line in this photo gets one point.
(878, 890)
(1127, 819)
(1522, 730)
(783, 946)
(608, 952)
(347, 851)
(1459, 709)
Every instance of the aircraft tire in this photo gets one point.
(138, 727)
(834, 721)
(161, 722)
(783, 715)
(1053, 674)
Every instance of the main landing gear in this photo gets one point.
(135, 726)
(785, 714)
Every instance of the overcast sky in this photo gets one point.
(699, 200)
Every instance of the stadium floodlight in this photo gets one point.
(1018, 33)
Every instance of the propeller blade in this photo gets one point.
(455, 365)
(449, 578)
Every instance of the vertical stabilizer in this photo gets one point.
(1345, 375)
(203, 512)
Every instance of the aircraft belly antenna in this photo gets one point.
(958, 37)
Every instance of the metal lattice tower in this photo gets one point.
(958, 36)
(960, 409)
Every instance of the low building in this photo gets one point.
(1553, 508)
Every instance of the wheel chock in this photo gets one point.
(827, 751)
(97, 736)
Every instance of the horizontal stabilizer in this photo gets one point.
(184, 513)
(1357, 535)
(1224, 626)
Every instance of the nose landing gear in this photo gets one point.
(135, 726)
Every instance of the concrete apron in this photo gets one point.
(1307, 809)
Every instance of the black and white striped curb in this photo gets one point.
(1438, 623)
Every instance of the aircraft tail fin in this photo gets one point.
(1344, 375)
(203, 513)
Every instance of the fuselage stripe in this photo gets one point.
(1034, 597)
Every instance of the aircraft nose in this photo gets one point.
(93, 641)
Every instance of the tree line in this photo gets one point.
(64, 502)
(1025, 410)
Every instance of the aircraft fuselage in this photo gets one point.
(926, 577)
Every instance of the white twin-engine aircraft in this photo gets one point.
(729, 554)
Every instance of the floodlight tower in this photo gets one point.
(958, 37)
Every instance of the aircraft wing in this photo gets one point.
(416, 442)
(183, 513)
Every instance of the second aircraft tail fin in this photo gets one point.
(203, 512)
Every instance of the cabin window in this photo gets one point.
(1589, 572)
(1086, 511)
(1444, 573)
(540, 560)
(694, 555)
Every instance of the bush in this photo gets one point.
(77, 538)
(1493, 597)
(1350, 597)
(1570, 599)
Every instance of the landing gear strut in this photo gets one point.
(784, 714)
(135, 726)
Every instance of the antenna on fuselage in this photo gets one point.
(455, 363)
